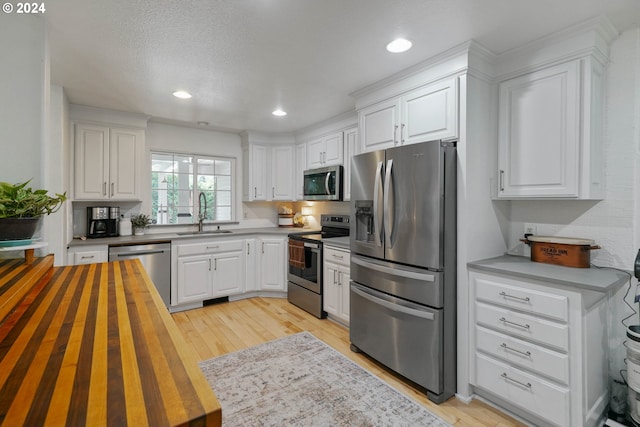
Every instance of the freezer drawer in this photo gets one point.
(414, 284)
(404, 336)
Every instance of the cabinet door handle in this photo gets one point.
(255, 192)
(248, 251)
(334, 277)
(273, 192)
(506, 377)
(506, 295)
(209, 264)
(395, 131)
(501, 180)
(402, 133)
(112, 189)
(525, 326)
(506, 347)
(262, 247)
(339, 278)
(215, 264)
(104, 188)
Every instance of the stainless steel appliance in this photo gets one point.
(305, 263)
(403, 262)
(156, 259)
(102, 221)
(323, 183)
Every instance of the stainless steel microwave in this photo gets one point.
(323, 183)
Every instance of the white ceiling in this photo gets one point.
(241, 59)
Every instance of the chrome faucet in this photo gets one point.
(201, 215)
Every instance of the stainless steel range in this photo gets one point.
(305, 263)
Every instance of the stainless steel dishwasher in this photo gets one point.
(156, 259)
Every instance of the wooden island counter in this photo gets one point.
(94, 345)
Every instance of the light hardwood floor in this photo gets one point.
(223, 328)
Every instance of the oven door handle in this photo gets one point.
(394, 271)
(393, 307)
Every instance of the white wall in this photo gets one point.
(22, 96)
(56, 173)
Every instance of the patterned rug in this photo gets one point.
(300, 381)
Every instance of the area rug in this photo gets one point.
(300, 381)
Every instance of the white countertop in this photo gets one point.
(594, 279)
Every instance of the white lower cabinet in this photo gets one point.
(195, 279)
(88, 254)
(272, 275)
(336, 274)
(539, 349)
(208, 269)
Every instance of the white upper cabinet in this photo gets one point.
(107, 162)
(325, 151)
(549, 140)
(254, 170)
(267, 172)
(301, 166)
(282, 168)
(427, 113)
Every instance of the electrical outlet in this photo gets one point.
(530, 228)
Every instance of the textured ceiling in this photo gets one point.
(241, 59)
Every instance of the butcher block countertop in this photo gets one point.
(94, 345)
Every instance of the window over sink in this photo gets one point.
(177, 179)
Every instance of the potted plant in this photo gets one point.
(21, 208)
(139, 223)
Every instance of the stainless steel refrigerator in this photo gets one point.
(403, 262)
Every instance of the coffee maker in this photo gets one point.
(102, 221)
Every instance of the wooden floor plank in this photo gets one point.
(222, 328)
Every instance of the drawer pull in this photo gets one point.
(506, 295)
(87, 256)
(337, 256)
(506, 377)
(503, 320)
(213, 247)
(506, 347)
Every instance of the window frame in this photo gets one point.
(194, 192)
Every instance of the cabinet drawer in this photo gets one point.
(209, 247)
(522, 298)
(337, 256)
(522, 325)
(524, 354)
(533, 394)
(89, 257)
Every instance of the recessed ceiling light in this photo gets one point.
(279, 113)
(202, 123)
(399, 46)
(182, 94)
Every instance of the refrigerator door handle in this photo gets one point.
(393, 271)
(376, 205)
(394, 307)
(326, 183)
(388, 220)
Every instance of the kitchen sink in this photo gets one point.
(198, 233)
